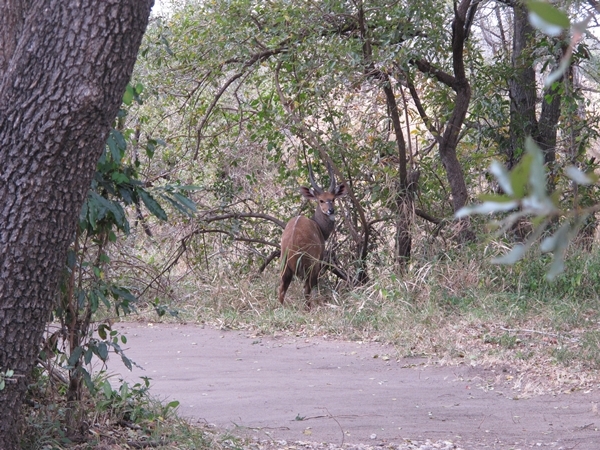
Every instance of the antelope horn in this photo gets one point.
(331, 178)
(313, 183)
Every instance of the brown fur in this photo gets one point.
(303, 239)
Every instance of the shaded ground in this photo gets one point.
(310, 389)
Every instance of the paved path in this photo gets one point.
(310, 389)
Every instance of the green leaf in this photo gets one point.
(513, 256)
(189, 187)
(120, 292)
(128, 95)
(93, 298)
(102, 330)
(126, 193)
(87, 379)
(71, 259)
(558, 73)
(119, 177)
(117, 145)
(152, 204)
(81, 298)
(83, 215)
(547, 18)
(556, 268)
(126, 361)
(104, 299)
(115, 152)
(119, 140)
(174, 404)
(107, 389)
(87, 358)
(580, 177)
(103, 205)
(519, 176)
(150, 149)
(103, 351)
(553, 242)
(486, 208)
(92, 209)
(181, 203)
(495, 198)
(189, 204)
(74, 358)
(502, 176)
(537, 170)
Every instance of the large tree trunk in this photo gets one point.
(404, 199)
(461, 86)
(64, 67)
(464, 12)
(522, 86)
(524, 96)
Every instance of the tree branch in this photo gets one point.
(268, 259)
(256, 58)
(245, 216)
(426, 120)
(429, 69)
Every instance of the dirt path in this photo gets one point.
(309, 389)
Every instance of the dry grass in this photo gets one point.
(456, 309)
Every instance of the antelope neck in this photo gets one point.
(326, 223)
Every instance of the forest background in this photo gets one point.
(410, 104)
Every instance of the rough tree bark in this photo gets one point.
(522, 87)
(63, 70)
(524, 96)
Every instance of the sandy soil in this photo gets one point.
(309, 389)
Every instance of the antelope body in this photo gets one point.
(303, 239)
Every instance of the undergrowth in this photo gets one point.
(117, 416)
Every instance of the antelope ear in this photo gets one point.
(307, 193)
(341, 190)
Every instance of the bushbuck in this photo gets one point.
(303, 239)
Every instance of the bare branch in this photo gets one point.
(268, 259)
(256, 58)
(245, 216)
(426, 120)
